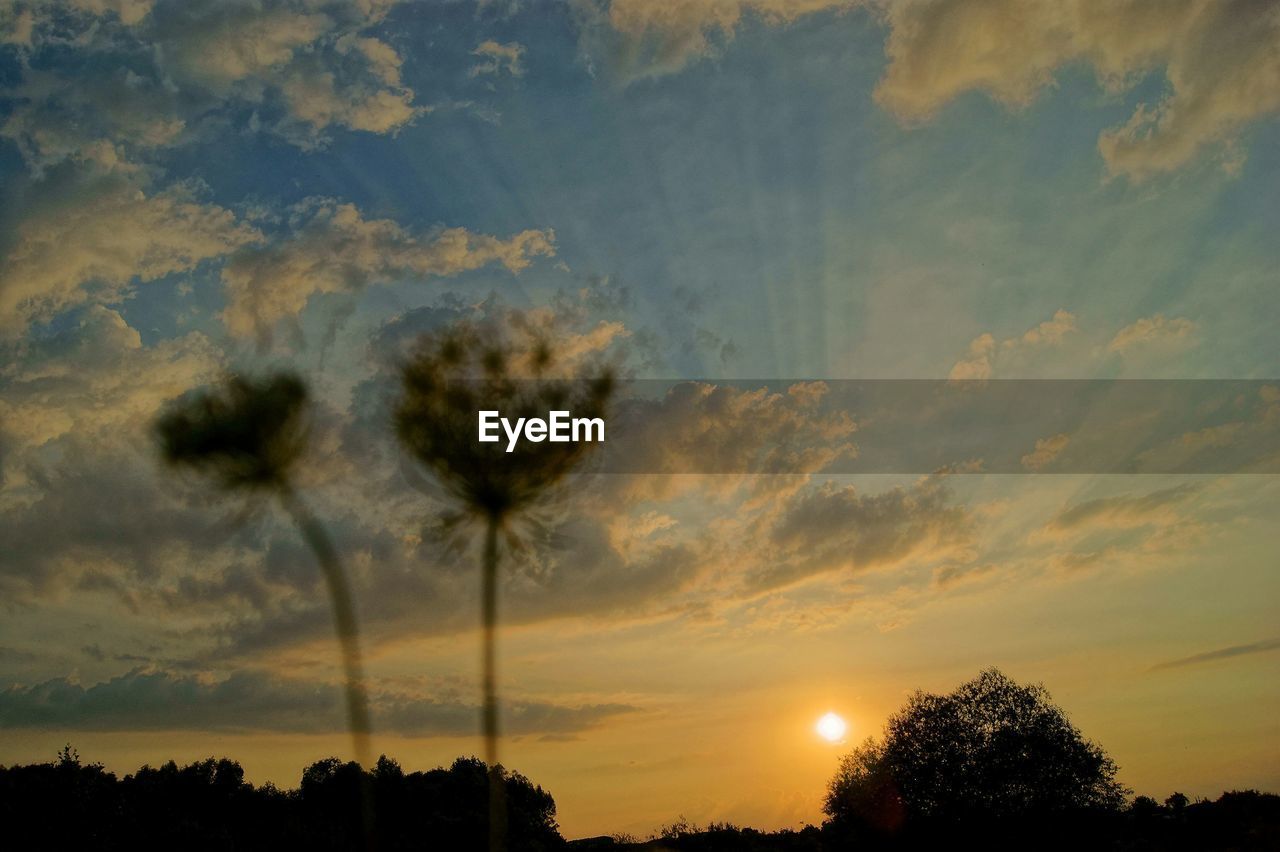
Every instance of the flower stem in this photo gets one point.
(489, 616)
(344, 620)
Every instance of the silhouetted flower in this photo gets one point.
(449, 379)
(247, 435)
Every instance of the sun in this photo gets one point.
(831, 728)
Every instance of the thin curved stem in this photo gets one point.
(489, 617)
(344, 619)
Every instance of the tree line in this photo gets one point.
(992, 765)
(208, 805)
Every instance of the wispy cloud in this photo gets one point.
(1220, 654)
(498, 58)
(1124, 511)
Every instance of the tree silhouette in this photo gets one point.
(208, 805)
(248, 435)
(450, 377)
(992, 751)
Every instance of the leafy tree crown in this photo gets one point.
(993, 748)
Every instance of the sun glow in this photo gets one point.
(831, 728)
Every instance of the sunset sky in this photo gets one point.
(710, 189)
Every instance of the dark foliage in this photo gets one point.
(209, 806)
(713, 838)
(248, 433)
(1239, 820)
(1246, 821)
(464, 368)
(993, 755)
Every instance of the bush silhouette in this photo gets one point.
(993, 753)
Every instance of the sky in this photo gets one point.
(714, 190)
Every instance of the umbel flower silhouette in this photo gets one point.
(247, 436)
(449, 378)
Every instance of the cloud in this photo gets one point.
(1249, 441)
(977, 363)
(424, 717)
(626, 546)
(55, 117)
(579, 335)
(94, 379)
(88, 235)
(497, 58)
(1047, 449)
(333, 248)
(1124, 511)
(601, 550)
(702, 427)
(25, 24)
(217, 45)
(1138, 532)
(1149, 330)
(74, 418)
(128, 11)
(156, 700)
(16, 25)
(316, 57)
(75, 408)
(153, 700)
(1048, 333)
(1220, 60)
(148, 75)
(985, 352)
(1221, 654)
(641, 38)
(368, 95)
(832, 527)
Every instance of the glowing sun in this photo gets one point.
(831, 728)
